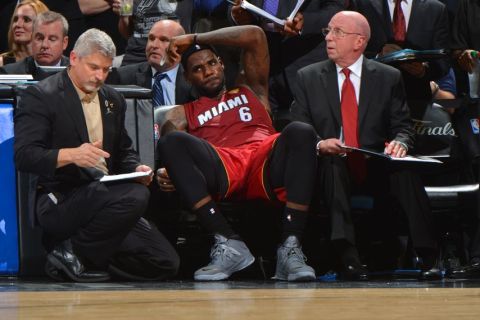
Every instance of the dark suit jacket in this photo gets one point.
(140, 74)
(428, 28)
(465, 35)
(289, 54)
(383, 114)
(50, 117)
(27, 66)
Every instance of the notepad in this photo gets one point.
(258, 11)
(409, 55)
(125, 176)
(424, 159)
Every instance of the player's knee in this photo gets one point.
(172, 143)
(300, 133)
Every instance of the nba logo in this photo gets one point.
(475, 125)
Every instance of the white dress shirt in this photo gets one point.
(406, 8)
(355, 77)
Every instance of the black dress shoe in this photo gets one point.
(352, 268)
(469, 271)
(430, 274)
(55, 273)
(429, 266)
(70, 265)
(354, 272)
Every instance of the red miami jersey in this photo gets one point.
(237, 119)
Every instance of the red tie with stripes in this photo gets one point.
(399, 24)
(355, 160)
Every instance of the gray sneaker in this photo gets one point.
(228, 256)
(291, 264)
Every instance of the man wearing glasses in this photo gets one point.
(353, 101)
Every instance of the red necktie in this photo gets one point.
(355, 160)
(399, 24)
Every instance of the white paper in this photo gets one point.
(384, 155)
(416, 159)
(295, 10)
(250, 7)
(125, 176)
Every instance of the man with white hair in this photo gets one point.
(353, 101)
(69, 131)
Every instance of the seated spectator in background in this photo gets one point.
(412, 24)
(297, 45)
(136, 27)
(223, 146)
(69, 131)
(85, 14)
(164, 77)
(49, 39)
(465, 39)
(445, 87)
(353, 101)
(20, 31)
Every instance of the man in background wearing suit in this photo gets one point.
(49, 39)
(169, 87)
(297, 45)
(69, 131)
(358, 102)
(165, 78)
(412, 24)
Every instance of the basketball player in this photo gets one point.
(223, 146)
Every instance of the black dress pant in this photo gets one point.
(104, 226)
(393, 185)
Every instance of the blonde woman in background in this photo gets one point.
(20, 31)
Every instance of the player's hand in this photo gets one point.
(177, 46)
(395, 149)
(144, 180)
(88, 154)
(164, 181)
(466, 61)
(240, 15)
(331, 146)
(293, 27)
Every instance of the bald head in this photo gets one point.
(158, 40)
(171, 25)
(357, 21)
(349, 38)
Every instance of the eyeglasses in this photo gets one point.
(337, 32)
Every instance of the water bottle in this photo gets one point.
(474, 77)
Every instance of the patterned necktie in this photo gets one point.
(349, 106)
(157, 90)
(271, 6)
(399, 24)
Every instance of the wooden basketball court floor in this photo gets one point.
(232, 300)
